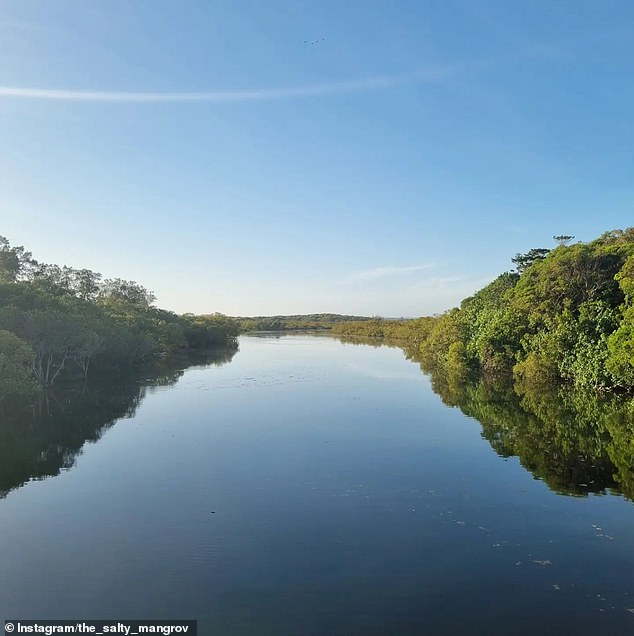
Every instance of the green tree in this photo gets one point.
(117, 290)
(523, 261)
(51, 334)
(87, 345)
(563, 239)
(15, 364)
(14, 261)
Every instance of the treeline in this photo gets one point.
(405, 330)
(565, 314)
(296, 322)
(60, 322)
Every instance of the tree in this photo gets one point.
(127, 291)
(51, 334)
(524, 261)
(86, 284)
(563, 239)
(625, 279)
(13, 261)
(88, 344)
(15, 363)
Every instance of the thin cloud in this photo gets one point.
(430, 74)
(13, 25)
(246, 95)
(384, 272)
(448, 287)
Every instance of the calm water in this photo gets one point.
(309, 486)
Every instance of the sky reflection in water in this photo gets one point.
(312, 486)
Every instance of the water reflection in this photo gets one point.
(42, 434)
(576, 441)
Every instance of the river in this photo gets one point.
(310, 486)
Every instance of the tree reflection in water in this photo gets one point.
(42, 434)
(576, 441)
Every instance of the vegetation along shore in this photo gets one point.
(63, 323)
(563, 315)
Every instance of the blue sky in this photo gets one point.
(377, 158)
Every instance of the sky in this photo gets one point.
(349, 156)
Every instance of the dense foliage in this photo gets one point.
(59, 321)
(295, 322)
(565, 315)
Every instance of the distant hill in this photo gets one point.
(294, 322)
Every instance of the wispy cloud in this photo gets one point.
(245, 95)
(12, 26)
(421, 75)
(536, 51)
(448, 289)
(384, 272)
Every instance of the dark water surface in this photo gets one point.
(314, 487)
